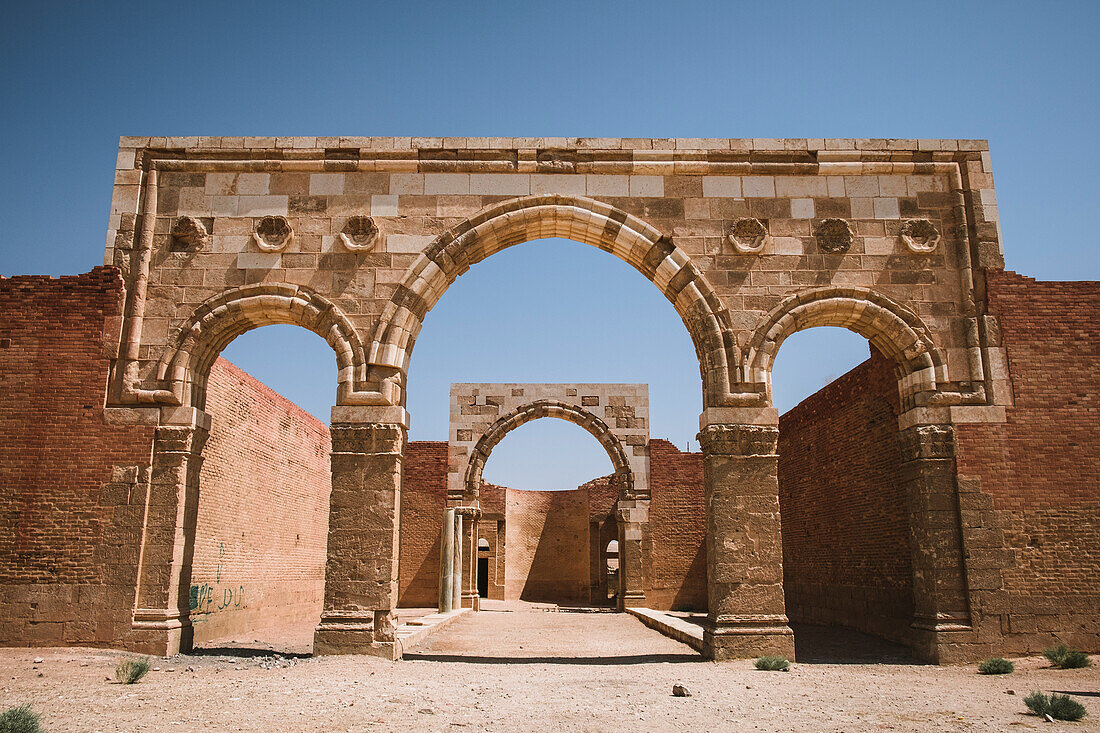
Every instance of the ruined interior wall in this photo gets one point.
(423, 498)
(677, 576)
(262, 527)
(547, 546)
(845, 527)
(492, 528)
(1039, 469)
(71, 507)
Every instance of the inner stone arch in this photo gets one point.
(617, 415)
(579, 219)
(216, 322)
(894, 330)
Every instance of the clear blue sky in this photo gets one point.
(78, 75)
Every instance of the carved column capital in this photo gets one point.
(182, 439)
(725, 439)
(927, 441)
(368, 438)
(471, 512)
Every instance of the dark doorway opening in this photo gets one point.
(483, 577)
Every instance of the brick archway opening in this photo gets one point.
(249, 548)
(853, 492)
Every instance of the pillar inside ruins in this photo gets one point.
(162, 620)
(747, 616)
(446, 560)
(470, 596)
(631, 517)
(361, 571)
(456, 577)
(941, 609)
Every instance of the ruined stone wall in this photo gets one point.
(1037, 472)
(262, 527)
(845, 526)
(677, 530)
(423, 498)
(492, 528)
(547, 541)
(71, 504)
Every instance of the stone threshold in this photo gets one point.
(671, 626)
(414, 632)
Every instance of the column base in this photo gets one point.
(471, 601)
(746, 637)
(945, 639)
(631, 600)
(160, 633)
(368, 632)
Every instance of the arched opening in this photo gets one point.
(611, 569)
(847, 555)
(550, 531)
(578, 219)
(260, 528)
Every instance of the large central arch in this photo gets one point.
(579, 219)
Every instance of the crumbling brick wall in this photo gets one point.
(677, 530)
(1039, 469)
(845, 526)
(262, 527)
(423, 498)
(547, 541)
(70, 499)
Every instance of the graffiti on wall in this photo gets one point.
(216, 596)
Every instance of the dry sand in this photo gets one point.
(521, 667)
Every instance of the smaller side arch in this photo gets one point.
(623, 477)
(894, 330)
(195, 346)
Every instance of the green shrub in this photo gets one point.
(773, 664)
(996, 665)
(19, 720)
(1060, 707)
(131, 670)
(1064, 658)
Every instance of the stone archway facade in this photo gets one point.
(617, 415)
(750, 240)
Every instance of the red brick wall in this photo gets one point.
(677, 529)
(262, 527)
(423, 498)
(70, 520)
(1040, 468)
(845, 527)
(547, 546)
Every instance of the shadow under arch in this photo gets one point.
(186, 362)
(538, 217)
(894, 330)
(623, 477)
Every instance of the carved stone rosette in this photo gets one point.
(747, 235)
(360, 234)
(190, 232)
(739, 440)
(834, 236)
(273, 234)
(920, 236)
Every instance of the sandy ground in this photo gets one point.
(531, 668)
